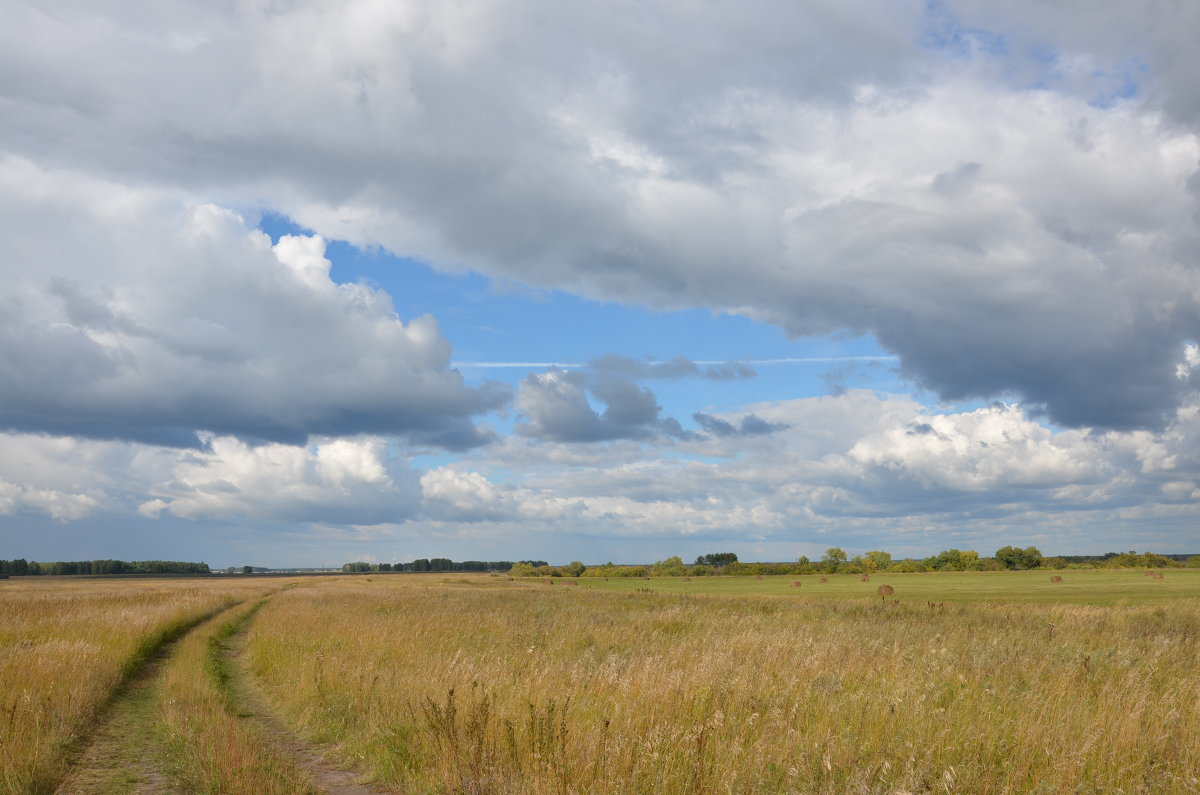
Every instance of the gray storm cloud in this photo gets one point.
(130, 316)
(1021, 226)
(555, 407)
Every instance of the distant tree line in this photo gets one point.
(836, 561)
(438, 564)
(22, 567)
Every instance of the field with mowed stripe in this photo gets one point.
(1082, 586)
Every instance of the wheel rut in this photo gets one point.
(251, 703)
(122, 753)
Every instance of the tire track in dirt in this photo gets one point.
(121, 753)
(251, 703)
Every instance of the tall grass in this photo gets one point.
(469, 687)
(66, 646)
(210, 747)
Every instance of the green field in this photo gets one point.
(1090, 587)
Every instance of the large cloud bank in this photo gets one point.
(1004, 197)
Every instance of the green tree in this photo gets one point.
(671, 567)
(834, 555)
(1015, 558)
(575, 568)
(950, 560)
(877, 560)
(1008, 556)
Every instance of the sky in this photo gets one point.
(300, 282)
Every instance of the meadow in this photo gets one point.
(1083, 586)
(67, 646)
(735, 684)
(971, 682)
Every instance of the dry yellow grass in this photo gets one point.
(210, 748)
(481, 685)
(65, 645)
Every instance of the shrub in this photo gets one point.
(671, 567)
(1132, 560)
(612, 570)
(906, 566)
(739, 569)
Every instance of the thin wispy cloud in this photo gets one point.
(517, 365)
(753, 362)
(808, 360)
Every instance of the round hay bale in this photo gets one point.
(885, 590)
(1056, 578)
(824, 579)
(865, 578)
(1156, 575)
(796, 583)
